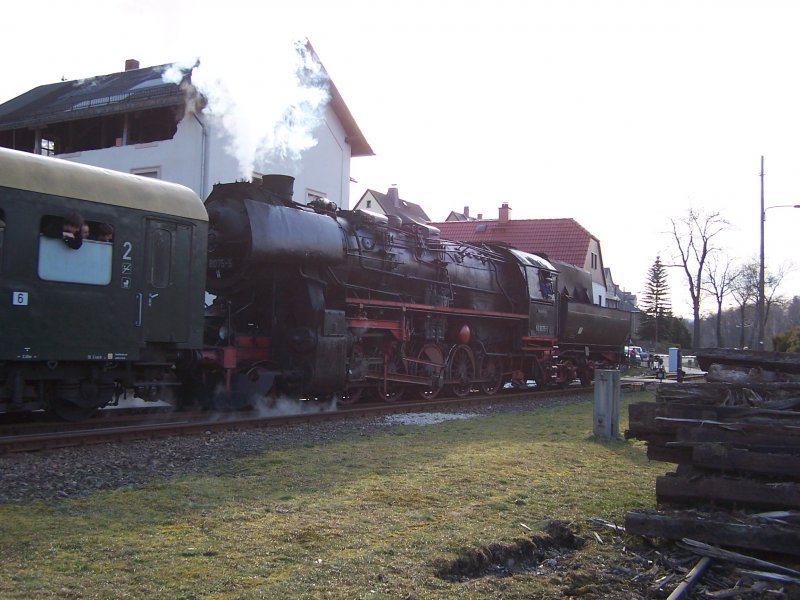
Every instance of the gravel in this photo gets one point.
(75, 472)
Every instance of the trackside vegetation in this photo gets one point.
(371, 516)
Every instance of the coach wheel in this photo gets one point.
(461, 372)
(491, 376)
(65, 400)
(65, 410)
(430, 367)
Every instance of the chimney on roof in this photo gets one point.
(394, 196)
(505, 213)
(466, 211)
(480, 216)
(131, 64)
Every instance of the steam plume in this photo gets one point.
(268, 108)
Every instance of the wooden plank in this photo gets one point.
(714, 552)
(725, 458)
(687, 488)
(744, 438)
(745, 414)
(785, 361)
(711, 529)
(669, 454)
(768, 395)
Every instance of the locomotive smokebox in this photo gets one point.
(280, 186)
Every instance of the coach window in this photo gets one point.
(160, 258)
(90, 264)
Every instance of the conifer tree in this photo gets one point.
(656, 307)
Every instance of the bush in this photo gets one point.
(787, 341)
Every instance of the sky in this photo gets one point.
(620, 114)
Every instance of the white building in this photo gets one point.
(136, 122)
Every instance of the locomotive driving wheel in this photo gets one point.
(357, 366)
(491, 376)
(392, 391)
(461, 370)
(430, 366)
(351, 395)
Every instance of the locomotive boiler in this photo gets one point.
(313, 301)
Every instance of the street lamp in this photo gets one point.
(760, 308)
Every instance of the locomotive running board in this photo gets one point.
(445, 310)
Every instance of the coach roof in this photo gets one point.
(60, 177)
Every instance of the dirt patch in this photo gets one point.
(525, 555)
(596, 562)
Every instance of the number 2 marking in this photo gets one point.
(128, 248)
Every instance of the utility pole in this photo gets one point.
(760, 308)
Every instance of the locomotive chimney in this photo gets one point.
(131, 64)
(280, 186)
(466, 211)
(394, 196)
(505, 213)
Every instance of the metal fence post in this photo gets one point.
(606, 403)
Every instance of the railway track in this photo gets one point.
(132, 427)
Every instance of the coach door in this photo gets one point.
(168, 273)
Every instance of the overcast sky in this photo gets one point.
(620, 115)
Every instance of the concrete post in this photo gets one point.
(606, 403)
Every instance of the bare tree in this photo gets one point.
(772, 281)
(744, 290)
(720, 275)
(693, 235)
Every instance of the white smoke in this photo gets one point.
(268, 107)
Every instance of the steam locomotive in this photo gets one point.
(307, 301)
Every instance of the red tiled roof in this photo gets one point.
(559, 239)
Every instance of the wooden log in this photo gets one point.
(670, 454)
(788, 362)
(714, 552)
(770, 395)
(745, 414)
(753, 438)
(753, 534)
(688, 488)
(690, 579)
(725, 458)
(746, 375)
(651, 417)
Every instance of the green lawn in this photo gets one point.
(372, 517)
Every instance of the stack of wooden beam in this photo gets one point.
(735, 445)
(736, 442)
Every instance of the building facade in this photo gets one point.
(137, 122)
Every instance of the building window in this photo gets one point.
(312, 195)
(48, 147)
(594, 260)
(369, 203)
(151, 172)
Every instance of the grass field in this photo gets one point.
(379, 516)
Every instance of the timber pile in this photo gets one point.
(736, 443)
